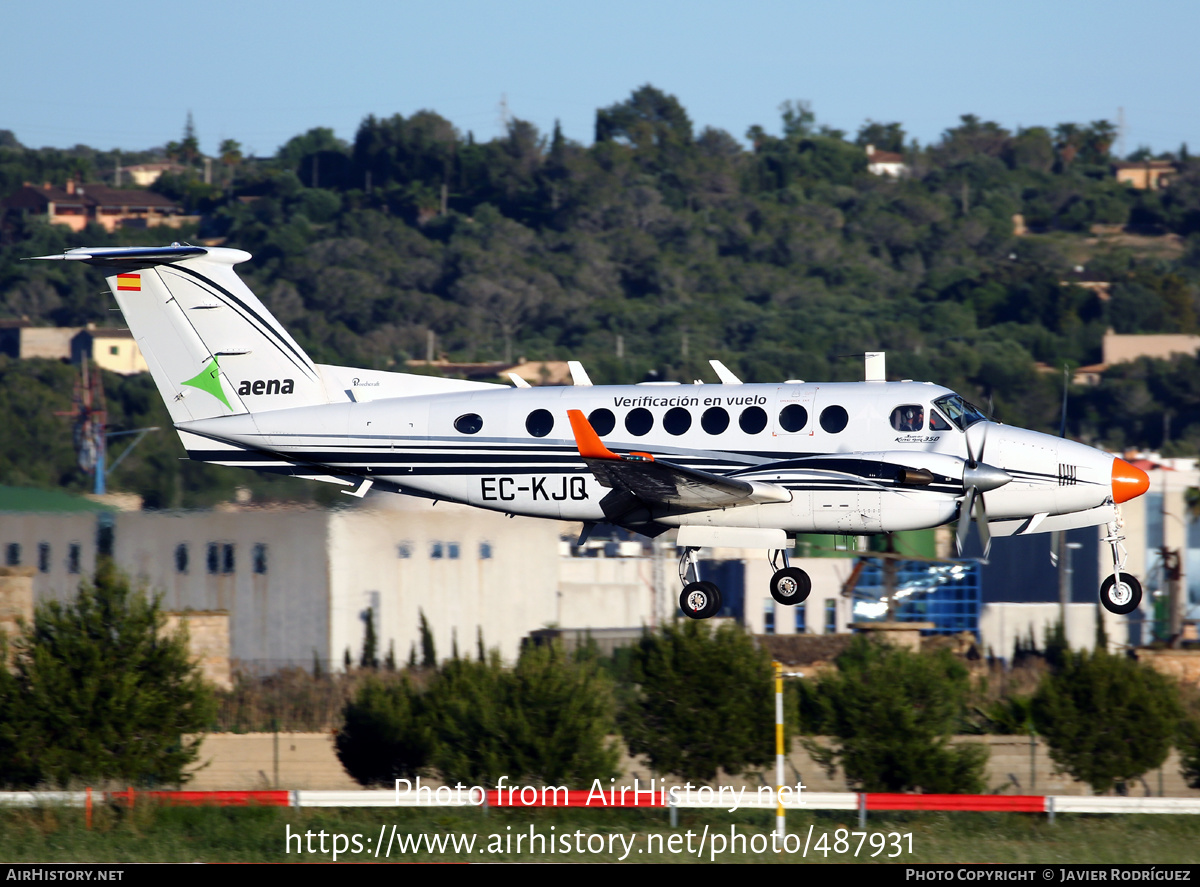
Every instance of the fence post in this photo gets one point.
(87, 817)
(862, 809)
(1050, 807)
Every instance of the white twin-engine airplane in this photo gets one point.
(730, 465)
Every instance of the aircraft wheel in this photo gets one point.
(1123, 598)
(700, 600)
(790, 585)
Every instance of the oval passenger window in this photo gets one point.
(715, 420)
(639, 422)
(539, 423)
(469, 423)
(752, 420)
(834, 419)
(793, 417)
(677, 421)
(602, 421)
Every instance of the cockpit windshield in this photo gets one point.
(958, 411)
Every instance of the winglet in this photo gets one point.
(586, 439)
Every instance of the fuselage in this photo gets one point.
(863, 457)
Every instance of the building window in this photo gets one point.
(830, 616)
(452, 550)
(181, 558)
(403, 550)
(227, 560)
(801, 618)
(436, 551)
(113, 349)
(12, 554)
(485, 551)
(73, 557)
(769, 617)
(260, 557)
(213, 559)
(43, 557)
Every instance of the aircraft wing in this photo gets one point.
(652, 481)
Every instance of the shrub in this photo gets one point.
(1106, 718)
(100, 693)
(892, 714)
(704, 701)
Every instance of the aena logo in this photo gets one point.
(268, 386)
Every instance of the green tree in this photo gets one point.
(704, 702)
(99, 692)
(428, 650)
(545, 721)
(1106, 718)
(370, 650)
(892, 714)
(385, 735)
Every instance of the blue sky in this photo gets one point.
(126, 73)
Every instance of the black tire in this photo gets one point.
(700, 600)
(1124, 599)
(790, 586)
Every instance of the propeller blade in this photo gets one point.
(985, 535)
(1054, 548)
(964, 519)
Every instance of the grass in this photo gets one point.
(175, 834)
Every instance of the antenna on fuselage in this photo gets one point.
(724, 373)
(579, 376)
(875, 366)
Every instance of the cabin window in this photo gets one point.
(228, 562)
(12, 554)
(793, 417)
(639, 422)
(485, 551)
(260, 558)
(936, 422)
(834, 419)
(181, 558)
(436, 551)
(910, 417)
(74, 554)
(715, 420)
(539, 423)
(469, 423)
(752, 420)
(603, 421)
(213, 559)
(677, 421)
(43, 557)
(403, 550)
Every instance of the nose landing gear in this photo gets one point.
(1120, 593)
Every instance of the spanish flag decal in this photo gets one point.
(129, 282)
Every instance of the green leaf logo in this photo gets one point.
(209, 379)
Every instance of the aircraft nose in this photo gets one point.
(1128, 482)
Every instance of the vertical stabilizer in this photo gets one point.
(211, 345)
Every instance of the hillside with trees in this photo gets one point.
(659, 246)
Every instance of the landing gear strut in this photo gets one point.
(789, 585)
(1120, 593)
(698, 600)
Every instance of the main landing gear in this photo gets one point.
(1120, 593)
(702, 600)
